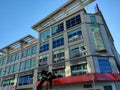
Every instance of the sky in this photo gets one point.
(18, 16)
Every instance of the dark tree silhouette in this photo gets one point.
(46, 76)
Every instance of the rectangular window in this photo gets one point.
(12, 57)
(9, 59)
(11, 68)
(57, 42)
(44, 47)
(104, 65)
(15, 67)
(22, 65)
(24, 53)
(74, 34)
(17, 56)
(34, 50)
(25, 80)
(7, 70)
(29, 51)
(45, 35)
(58, 55)
(79, 69)
(43, 59)
(58, 28)
(77, 51)
(108, 87)
(1, 71)
(27, 64)
(73, 21)
(33, 62)
(92, 19)
(59, 72)
(3, 61)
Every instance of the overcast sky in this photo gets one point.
(17, 17)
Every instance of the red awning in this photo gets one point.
(84, 78)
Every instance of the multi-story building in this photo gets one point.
(73, 44)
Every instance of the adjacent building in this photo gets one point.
(73, 44)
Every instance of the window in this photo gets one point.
(27, 64)
(58, 55)
(109, 87)
(33, 62)
(73, 21)
(57, 29)
(11, 69)
(15, 67)
(45, 35)
(59, 41)
(1, 71)
(25, 80)
(22, 65)
(8, 82)
(79, 69)
(59, 72)
(93, 19)
(29, 51)
(17, 56)
(9, 59)
(2, 61)
(74, 34)
(7, 70)
(104, 65)
(44, 47)
(34, 49)
(77, 51)
(43, 59)
(24, 53)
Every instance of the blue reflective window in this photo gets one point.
(24, 80)
(73, 21)
(57, 29)
(44, 47)
(59, 41)
(104, 65)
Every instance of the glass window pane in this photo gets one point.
(22, 65)
(93, 19)
(27, 64)
(104, 65)
(15, 67)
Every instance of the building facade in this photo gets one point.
(71, 43)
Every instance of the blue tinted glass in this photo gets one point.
(104, 65)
